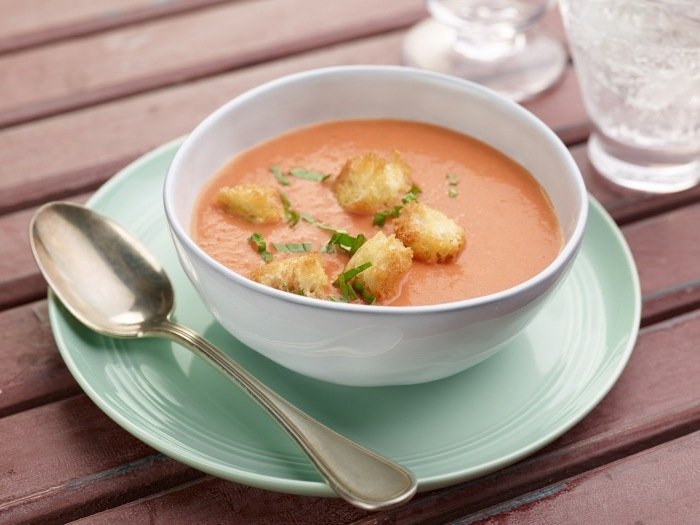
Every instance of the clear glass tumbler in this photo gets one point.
(498, 43)
(638, 64)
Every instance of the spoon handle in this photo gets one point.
(363, 478)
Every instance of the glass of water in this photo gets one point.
(638, 64)
(498, 43)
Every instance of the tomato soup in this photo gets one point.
(511, 229)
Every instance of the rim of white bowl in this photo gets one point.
(568, 251)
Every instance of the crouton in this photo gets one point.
(432, 235)
(302, 275)
(252, 203)
(390, 259)
(368, 183)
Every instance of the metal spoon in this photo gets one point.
(109, 282)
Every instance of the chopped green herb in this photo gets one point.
(348, 291)
(452, 182)
(319, 224)
(345, 242)
(292, 247)
(381, 216)
(258, 243)
(277, 172)
(353, 272)
(363, 293)
(412, 194)
(292, 216)
(303, 173)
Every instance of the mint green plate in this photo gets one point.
(447, 431)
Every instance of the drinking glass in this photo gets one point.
(638, 64)
(498, 43)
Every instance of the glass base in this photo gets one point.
(534, 67)
(662, 177)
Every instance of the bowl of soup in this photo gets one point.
(374, 225)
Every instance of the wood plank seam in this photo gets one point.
(513, 504)
(79, 29)
(557, 469)
(639, 206)
(671, 303)
(21, 510)
(652, 461)
(67, 185)
(57, 105)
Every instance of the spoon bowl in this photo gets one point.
(110, 283)
(94, 269)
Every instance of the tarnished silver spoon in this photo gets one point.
(110, 283)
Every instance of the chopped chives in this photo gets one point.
(362, 292)
(300, 173)
(258, 243)
(412, 194)
(319, 224)
(292, 216)
(303, 173)
(348, 290)
(381, 216)
(345, 242)
(277, 172)
(353, 272)
(292, 247)
(452, 182)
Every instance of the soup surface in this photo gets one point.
(511, 230)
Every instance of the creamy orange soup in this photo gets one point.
(511, 230)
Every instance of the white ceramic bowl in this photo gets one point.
(357, 344)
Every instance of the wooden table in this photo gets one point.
(86, 86)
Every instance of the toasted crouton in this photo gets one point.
(302, 274)
(252, 203)
(432, 235)
(390, 259)
(369, 183)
